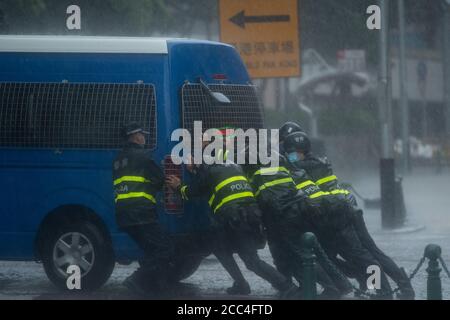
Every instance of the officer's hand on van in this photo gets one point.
(173, 182)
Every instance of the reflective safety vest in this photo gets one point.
(329, 183)
(270, 178)
(228, 190)
(225, 183)
(311, 189)
(127, 187)
(136, 179)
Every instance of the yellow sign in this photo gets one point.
(265, 32)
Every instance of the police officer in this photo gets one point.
(236, 219)
(336, 231)
(298, 149)
(286, 216)
(137, 179)
(286, 129)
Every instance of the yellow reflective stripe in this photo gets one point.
(340, 191)
(271, 170)
(224, 183)
(210, 201)
(136, 195)
(273, 183)
(305, 184)
(229, 180)
(318, 194)
(183, 192)
(130, 179)
(326, 179)
(233, 197)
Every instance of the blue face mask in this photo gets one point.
(293, 157)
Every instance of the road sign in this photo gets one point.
(265, 33)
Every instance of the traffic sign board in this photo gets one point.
(265, 33)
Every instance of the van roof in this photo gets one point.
(87, 44)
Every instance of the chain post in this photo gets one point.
(309, 262)
(434, 285)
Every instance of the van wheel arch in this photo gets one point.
(66, 214)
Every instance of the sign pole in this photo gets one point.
(403, 94)
(387, 164)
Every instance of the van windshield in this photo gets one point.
(244, 111)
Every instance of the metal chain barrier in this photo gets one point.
(366, 294)
(444, 266)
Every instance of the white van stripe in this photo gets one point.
(82, 44)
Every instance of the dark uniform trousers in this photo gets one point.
(341, 238)
(322, 172)
(158, 251)
(239, 230)
(389, 266)
(336, 231)
(236, 220)
(285, 223)
(287, 251)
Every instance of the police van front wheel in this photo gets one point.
(80, 250)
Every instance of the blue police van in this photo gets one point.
(63, 101)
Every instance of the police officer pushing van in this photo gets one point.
(286, 215)
(236, 221)
(137, 179)
(297, 148)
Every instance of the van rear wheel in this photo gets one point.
(82, 245)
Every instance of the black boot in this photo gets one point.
(239, 288)
(329, 294)
(406, 289)
(291, 292)
(338, 278)
(136, 283)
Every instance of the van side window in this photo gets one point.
(73, 115)
(243, 112)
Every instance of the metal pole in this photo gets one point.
(424, 113)
(446, 62)
(403, 92)
(384, 84)
(279, 88)
(387, 164)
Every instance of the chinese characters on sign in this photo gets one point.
(265, 33)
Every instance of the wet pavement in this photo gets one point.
(427, 198)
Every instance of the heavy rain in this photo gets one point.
(86, 216)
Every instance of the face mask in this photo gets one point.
(292, 157)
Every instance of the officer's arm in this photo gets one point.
(156, 175)
(196, 187)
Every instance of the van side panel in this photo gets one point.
(39, 180)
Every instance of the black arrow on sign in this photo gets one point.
(240, 19)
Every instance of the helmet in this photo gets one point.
(297, 141)
(132, 128)
(288, 128)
